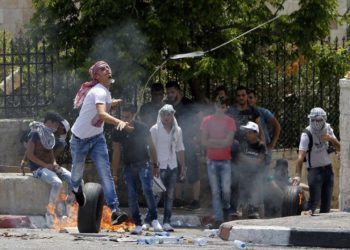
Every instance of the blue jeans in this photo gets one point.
(168, 177)
(97, 147)
(143, 172)
(320, 180)
(54, 179)
(219, 175)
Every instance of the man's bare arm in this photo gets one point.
(276, 127)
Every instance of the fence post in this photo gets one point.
(344, 121)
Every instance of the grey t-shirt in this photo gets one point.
(319, 155)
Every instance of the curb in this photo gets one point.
(285, 236)
(15, 221)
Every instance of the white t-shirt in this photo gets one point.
(88, 123)
(162, 141)
(319, 155)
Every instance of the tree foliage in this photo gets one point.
(135, 36)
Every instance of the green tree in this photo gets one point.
(135, 36)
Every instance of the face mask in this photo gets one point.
(317, 123)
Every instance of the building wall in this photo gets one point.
(14, 15)
(336, 30)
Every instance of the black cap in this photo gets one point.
(281, 163)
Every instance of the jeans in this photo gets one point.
(234, 201)
(219, 174)
(320, 180)
(168, 177)
(143, 172)
(97, 147)
(54, 179)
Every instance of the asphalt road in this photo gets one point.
(50, 239)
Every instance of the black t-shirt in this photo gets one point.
(251, 156)
(134, 144)
(242, 117)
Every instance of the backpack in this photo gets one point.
(309, 147)
(330, 148)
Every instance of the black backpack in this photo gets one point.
(330, 148)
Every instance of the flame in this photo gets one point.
(300, 195)
(72, 213)
(106, 222)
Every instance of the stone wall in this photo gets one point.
(14, 15)
(11, 150)
(23, 195)
(344, 122)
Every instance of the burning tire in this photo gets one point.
(293, 201)
(89, 216)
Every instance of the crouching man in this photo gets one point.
(41, 157)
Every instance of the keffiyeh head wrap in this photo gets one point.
(317, 120)
(175, 130)
(47, 138)
(86, 86)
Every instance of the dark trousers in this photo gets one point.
(320, 180)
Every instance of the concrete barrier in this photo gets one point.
(22, 195)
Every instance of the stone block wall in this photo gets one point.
(11, 150)
(14, 15)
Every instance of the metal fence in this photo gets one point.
(32, 80)
(26, 71)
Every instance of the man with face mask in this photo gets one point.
(319, 165)
(42, 160)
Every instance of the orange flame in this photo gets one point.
(300, 195)
(72, 214)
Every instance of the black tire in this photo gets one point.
(89, 216)
(293, 201)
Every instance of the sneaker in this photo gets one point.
(254, 215)
(156, 226)
(146, 226)
(235, 216)
(80, 196)
(179, 203)
(118, 217)
(194, 205)
(216, 225)
(137, 230)
(167, 227)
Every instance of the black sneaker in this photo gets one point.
(80, 196)
(194, 205)
(118, 217)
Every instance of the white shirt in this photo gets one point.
(88, 123)
(165, 152)
(319, 156)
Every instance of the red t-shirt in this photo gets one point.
(218, 128)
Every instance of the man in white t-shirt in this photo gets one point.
(87, 136)
(319, 135)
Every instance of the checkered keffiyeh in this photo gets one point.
(86, 86)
